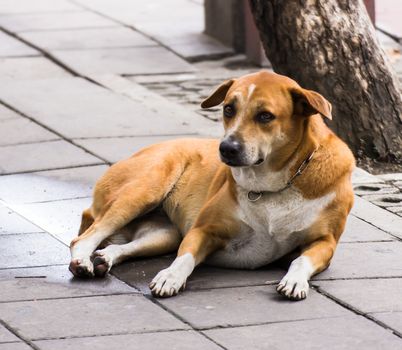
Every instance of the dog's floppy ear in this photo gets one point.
(218, 95)
(308, 102)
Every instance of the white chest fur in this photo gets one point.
(271, 227)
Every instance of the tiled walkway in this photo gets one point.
(77, 93)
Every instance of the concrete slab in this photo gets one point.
(343, 333)
(391, 319)
(80, 317)
(374, 189)
(24, 68)
(32, 249)
(50, 185)
(61, 218)
(11, 222)
(43, 156)
(6, 113)
(83, 39)
(15, 346)
(358, 231)
(125, 61)
(140, 272)
(92, 111)
(53, 21)
(29, 6)
(366, 295)
(378, 217)
(10, 47)
(360, 176)
(114, 149)
(54, 282)
(19, 131)
(386, 200)
(178, 340)
(391, 177)
(6, 336)
(248, 305)
(365, 260)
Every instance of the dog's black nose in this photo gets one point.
(230, 150)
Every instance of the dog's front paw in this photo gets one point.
(102, 263)
(82, 268)
(167, 283)
(293, 287)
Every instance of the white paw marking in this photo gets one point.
(170, 281)
(295, 284)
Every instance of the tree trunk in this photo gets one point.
(330, 46)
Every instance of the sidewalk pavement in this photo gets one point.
(85, 83)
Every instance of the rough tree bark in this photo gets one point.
(330, 46)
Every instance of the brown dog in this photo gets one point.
(282, 182)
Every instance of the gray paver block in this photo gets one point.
(92, 111)
(396, 210)
(177, 340)
(139, 273)
(392, 319)
(357, 230)
(386, 200)
(49, 282)
(344, 333)
(372, 259)
(43, 156)
(21, 130)
(54, 20)
(6, 336)
(114, 149)
(83, 39)
(367, 295)
(32, 249)
(127, 61)
(61, 218)
(50, 185)
(15, 346)
(390, 177)
(10, 47)
(247, 305)
(11, 222)
(360, 176)
(37, 67)
(7, 114)
(80, 317)
(29, 6)
(374, 189)
(378, 217)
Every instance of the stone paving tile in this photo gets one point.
(61, 218)
(7, 114)
(53, 21)
(50, 282)
(391, 177)
(344, 333)
(6, 336)
(386, 200)
(15, 346)
(22, 68)
(357, 230)
(367, 190)
(139, 273)
(114, 149)
(83, 39)
(29, 6)
(43, 156)
(32, 249)
(392, 319)
(11, 47)
(16, 131)
(125, 61)
(396, 210)
(360, 176)
(11, 222)
(378, 217)
(177, 340)
(359, 260)
(92, 111)
(50, 185)
(247, 305)
(80, 317)
(367, 295)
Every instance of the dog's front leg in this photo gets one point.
(195, 247)
(314, 259)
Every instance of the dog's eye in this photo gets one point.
(228, 111)
(265, 117)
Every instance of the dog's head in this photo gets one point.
(262, 113)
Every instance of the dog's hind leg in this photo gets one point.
(137, 197)
(86, 221)
(152, 235)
